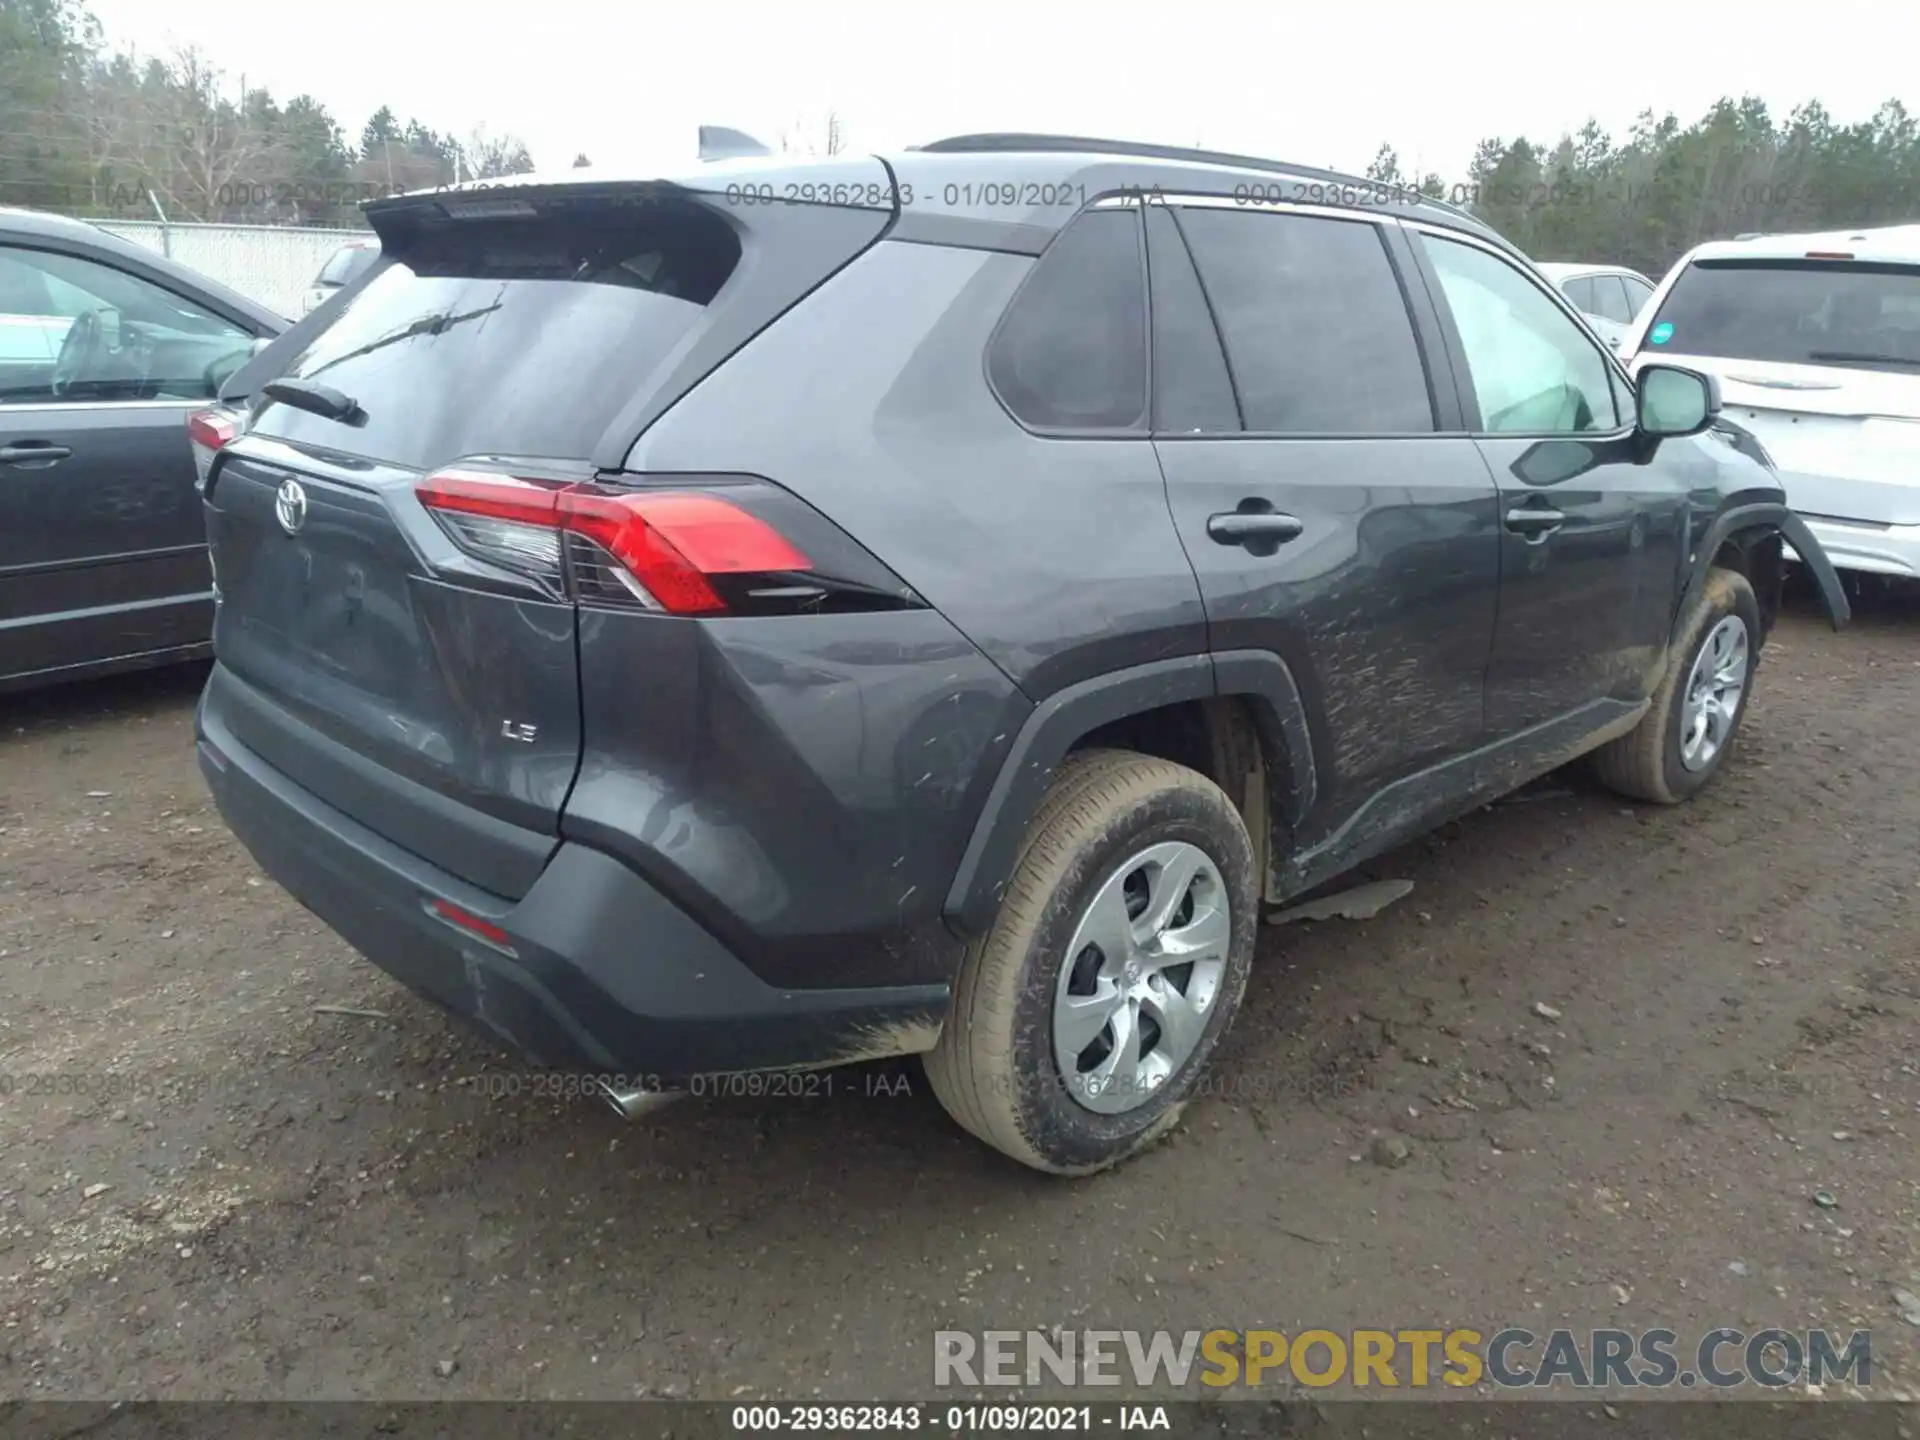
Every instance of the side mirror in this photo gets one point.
(1673, 402)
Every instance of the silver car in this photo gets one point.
(343, 267)
(1610, 296)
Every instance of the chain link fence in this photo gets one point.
(273, 264)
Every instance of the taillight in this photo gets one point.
(501, 519)
(734, 547)
(210, 431)
(674, 543)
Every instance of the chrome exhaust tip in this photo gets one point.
(633, 1104)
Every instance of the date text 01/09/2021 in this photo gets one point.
(966, 1419)
(880, 195)
(822, 1084)
(1030, 195)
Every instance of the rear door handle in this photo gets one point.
(1257, 530)
(33, 452)
(1534, 523)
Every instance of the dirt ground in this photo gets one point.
(301, 1204)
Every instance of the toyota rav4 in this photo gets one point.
(792, 613)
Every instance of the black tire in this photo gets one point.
(1646, 763)
(994, 1067)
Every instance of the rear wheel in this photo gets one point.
(1082, 1022)
(1682, 741)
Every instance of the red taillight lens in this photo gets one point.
(210, 431)
(672, 541)
(668, 543)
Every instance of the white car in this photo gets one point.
(1815, 340)
(343, 267)
(1610, 296)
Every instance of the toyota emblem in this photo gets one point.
(290, 506)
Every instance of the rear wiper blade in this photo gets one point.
(437, 324)
(321, 400)
(1860, 357)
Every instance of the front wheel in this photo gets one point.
(1682, 741)
(1082, 1022)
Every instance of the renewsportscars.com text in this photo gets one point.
(1508, 1359)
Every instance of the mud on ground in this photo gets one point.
(252, 1197)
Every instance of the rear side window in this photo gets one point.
(1192, 393)
(1796, 312)
(1638, 291)
(523, 337)
(1610, 299)
(1071, 351)
(1317, 333)
(1579, 293)
(347, 264)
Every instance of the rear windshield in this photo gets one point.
(509, 336)
(347, 264)
(1799, 312)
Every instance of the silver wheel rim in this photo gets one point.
(1714, 688)
(1141, 976)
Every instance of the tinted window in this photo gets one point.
(1071, 351)
(1534, 370)
(512, 337)
(347, 264)
(1579, 292)
(1316, 330)
(1610, 299)
(1638, 291)
(1798, 312)
(1191, 391)
(78, 330)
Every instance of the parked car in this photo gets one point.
(884, 640)
(105, 350)
(343, 267)
(1816, 339)
(1608, 295)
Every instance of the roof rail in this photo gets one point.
(1014, 142)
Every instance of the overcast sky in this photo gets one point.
(1321, 83)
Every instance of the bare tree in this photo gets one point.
(803, 138)
(213, 148)
(489, 157)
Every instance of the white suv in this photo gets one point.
(1816, 342)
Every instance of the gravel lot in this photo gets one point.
(211, 1187)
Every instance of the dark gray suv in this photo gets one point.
(798, 613)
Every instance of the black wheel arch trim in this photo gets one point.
(1056, 723)
(1767, 514)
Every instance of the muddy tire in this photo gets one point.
(1682, 741)
(1083, 1020)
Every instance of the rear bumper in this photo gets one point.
(1858, 545)
(598, 971)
